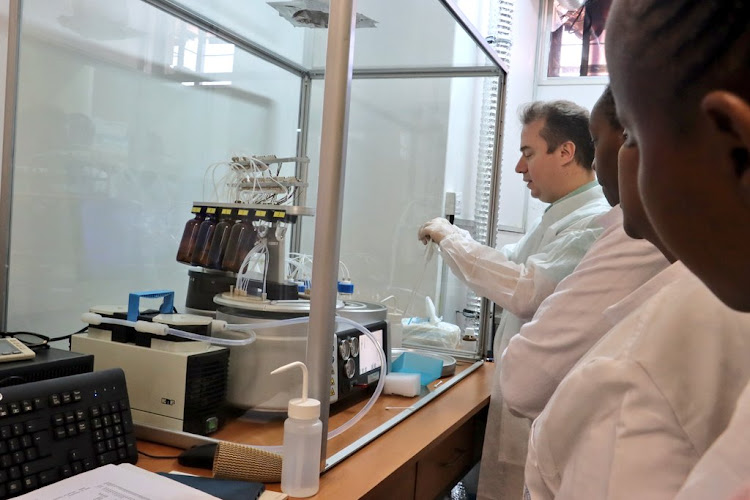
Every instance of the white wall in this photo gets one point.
(520, 90)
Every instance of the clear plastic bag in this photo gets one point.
(431, 331)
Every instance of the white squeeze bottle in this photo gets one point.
(303, 430)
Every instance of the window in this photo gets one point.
(201, 52)
(576, 38)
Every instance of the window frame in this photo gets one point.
(543, 49)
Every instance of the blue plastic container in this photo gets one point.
(429, 368)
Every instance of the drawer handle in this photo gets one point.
(460, 453)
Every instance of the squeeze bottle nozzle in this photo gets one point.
(303, 408)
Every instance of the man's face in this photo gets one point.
(607, 141)
(540, 169)
(687, 179)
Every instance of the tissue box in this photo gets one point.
(429, 368)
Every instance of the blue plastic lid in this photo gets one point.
(345, 287)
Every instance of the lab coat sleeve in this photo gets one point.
(613, 437)
(570, 321)
(725, 467)
(518, 288)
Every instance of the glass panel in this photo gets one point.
(414, 34)
(258, 22)
(410, 143)
(121, 111)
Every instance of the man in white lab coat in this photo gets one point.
(556, 163)
(687, 100)
(570, 321)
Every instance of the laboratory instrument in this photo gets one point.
(175, 383)
(14, 350)
(355, 363)
(239, 239)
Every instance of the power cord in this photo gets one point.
(165, 457)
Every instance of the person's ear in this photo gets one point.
(567, 152)
(730, 116)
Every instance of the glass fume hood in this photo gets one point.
(122, 109)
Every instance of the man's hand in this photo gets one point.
(436, 230)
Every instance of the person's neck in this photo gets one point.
(663, 249)
(571, 183)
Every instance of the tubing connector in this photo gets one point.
(92, 318)
(153, 328)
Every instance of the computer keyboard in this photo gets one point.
(54, 429)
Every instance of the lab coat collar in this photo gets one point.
(611, 218)
(574, 199)
(617, 312)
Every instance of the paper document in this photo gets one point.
(117, 482)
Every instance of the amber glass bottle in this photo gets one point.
(189, 236)
(241, 241)
(203, 241)
(220, 238)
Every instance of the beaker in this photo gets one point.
(242, 238)
(189, 236)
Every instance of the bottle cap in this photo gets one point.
(345, 287)
(303, 408)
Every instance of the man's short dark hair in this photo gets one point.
(563, 121)
(691, 47)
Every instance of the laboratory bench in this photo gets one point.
(421, 457)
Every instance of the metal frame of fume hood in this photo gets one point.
(9, 139)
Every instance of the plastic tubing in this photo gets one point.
(96, 319)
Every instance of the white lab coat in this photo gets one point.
(635, 414)
(518, 278)
(725, 467)
(570, 321)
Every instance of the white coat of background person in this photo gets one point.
(556, 158)
(571, 320)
